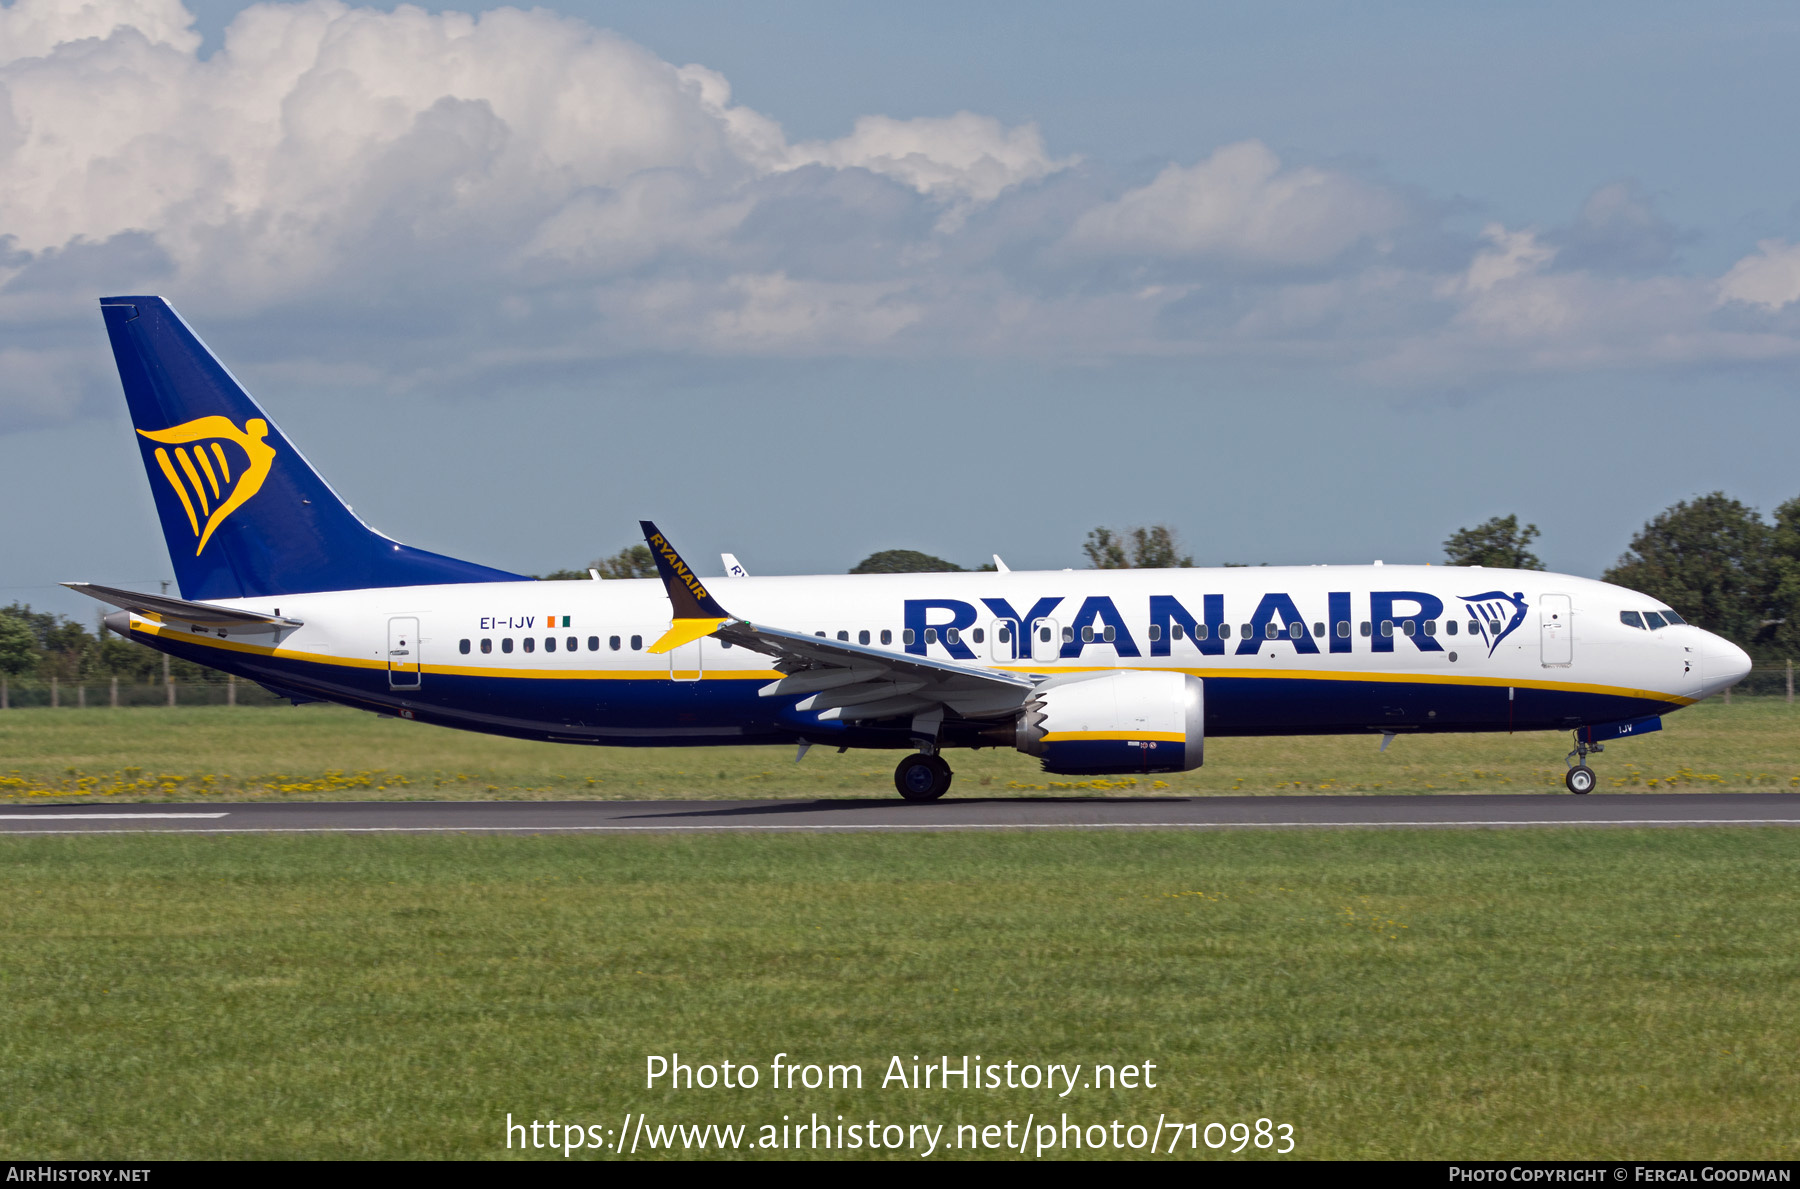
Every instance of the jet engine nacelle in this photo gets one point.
(1132, 721)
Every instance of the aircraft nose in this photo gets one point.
(1723, 664)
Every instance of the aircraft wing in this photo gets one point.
(168, 610)
(852, 682)
(849, 682)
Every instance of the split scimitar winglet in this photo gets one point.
(695, 613)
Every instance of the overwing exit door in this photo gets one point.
(684, 662)
(403, 653)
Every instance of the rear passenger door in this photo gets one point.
(403, 653)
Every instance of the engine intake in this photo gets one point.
(1133, 721)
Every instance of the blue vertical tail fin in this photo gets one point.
(243, 512)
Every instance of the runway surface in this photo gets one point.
(967, 813)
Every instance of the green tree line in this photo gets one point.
(45, 645)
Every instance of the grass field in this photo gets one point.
(1503, 994)
(327, 752)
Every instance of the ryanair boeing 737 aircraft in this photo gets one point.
(1092, 671)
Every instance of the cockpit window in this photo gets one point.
(1631, 619)
(1653, 621)
(1671, 617)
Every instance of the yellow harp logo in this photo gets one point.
(208, 480)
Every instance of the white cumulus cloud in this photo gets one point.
(438, 195)
(1770, 278)
(963, 156)
(1241, 204)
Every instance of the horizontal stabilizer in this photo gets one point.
(168, 610)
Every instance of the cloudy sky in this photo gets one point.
(1308, 282)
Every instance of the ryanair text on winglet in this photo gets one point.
(680, 567)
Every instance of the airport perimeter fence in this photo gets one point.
(1766, 681)
(19, 693)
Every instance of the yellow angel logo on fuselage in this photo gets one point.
(209, 487)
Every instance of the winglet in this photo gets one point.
(695, 613)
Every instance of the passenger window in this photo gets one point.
(1653, 621)
(593, 644)
(1365, 627)
(844, 636)
(612, 642)
(1044, 635)
(952, 636)
(724, 643)
(1296, 630)
(1110, 634)
(549, 643)
(463, 647)
(637, 642)
(530, 644)
(1087, 635)
(887, 637)
(1318, 629)
(506, 644)
(1431, 627)
(487, 645)
(978, 635)
(1224, 631)
(1494, 626)
(820, 635)
(1270, 631)
(1409, 627)
(907, 636)
(1175, 631)
(1343, 629)
(1249, 630)
(862, 637)
(1474, 627)
(931, 635)
(1156, 631)
(1004, 635)
(572, 644)
(1450, 627)
(1387, 627)
(1068, 635)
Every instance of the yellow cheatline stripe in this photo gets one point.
(1392, 678)
(187, 468)
(1109, 736)
(683, 631)
(656, 674)
(168, 469)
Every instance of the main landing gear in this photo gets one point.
(923, 777)
(1581, 777)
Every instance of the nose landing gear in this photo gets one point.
(1581, 778)
(923, 777)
